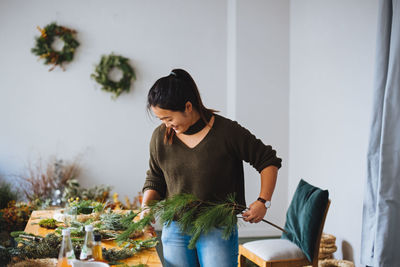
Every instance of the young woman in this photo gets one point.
(199, 152)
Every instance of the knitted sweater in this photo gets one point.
(212, 169)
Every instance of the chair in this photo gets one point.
(299, 246)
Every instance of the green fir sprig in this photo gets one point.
(131, 248)
(134, 227)
(196, 217)
(116, 221)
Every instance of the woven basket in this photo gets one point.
(335, 263)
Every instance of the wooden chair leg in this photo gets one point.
(242, 261)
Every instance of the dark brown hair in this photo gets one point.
(172, 92)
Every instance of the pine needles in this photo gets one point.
(196, 217)
(133, 227)
(115, 221)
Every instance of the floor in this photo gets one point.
(241, 241)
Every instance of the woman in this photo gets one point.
(199, 152)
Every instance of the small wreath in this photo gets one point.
(107, 63)
(44, 50)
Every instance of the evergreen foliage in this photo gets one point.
(48, 223)
(115, 221)
(107, 63)
(43, 44)
(38, 247)
(196, 217)
(133, 227)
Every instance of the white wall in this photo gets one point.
(262, 98)
(66, 114)
(332, 47)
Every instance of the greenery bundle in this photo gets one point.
(48, 223)
(85, 206)
(132, 228)
(47, 247)
(102, 71)
(197, 217)
(43, 47)
(116, 221)
(111, 226)
(113, 255)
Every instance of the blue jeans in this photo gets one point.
(211, 249)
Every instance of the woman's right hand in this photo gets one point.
(149, 228)
(148, 196)
(145, 211)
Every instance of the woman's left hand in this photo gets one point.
(255, 213)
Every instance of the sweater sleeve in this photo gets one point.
(154, 176)
(251, 149)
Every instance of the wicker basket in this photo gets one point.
(335, 263)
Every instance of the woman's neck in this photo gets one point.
(195, 117)
(197, 124)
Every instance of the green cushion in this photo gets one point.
(304, 217)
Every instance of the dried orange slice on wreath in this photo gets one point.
(44, 45)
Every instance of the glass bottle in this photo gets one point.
(67, 251)
(87, 249)
(97, 250)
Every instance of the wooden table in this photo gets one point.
(147, 256)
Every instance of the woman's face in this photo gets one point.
(177, 120)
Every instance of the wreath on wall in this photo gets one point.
(43, 47)
(103, 69)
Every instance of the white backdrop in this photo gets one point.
(66, 114)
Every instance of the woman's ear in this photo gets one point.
(188, 107)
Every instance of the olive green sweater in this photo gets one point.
(212, 169)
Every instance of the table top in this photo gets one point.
(147, 256)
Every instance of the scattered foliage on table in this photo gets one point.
(116, 221)
(49, 246)
(111, 225)
(133, 228)
(85, 206)
(48, 223)
(129, 250)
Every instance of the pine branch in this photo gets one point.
(133, 227)
(197, 217)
